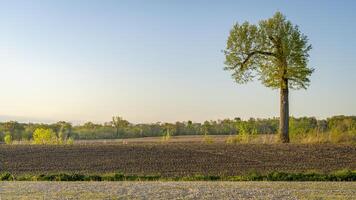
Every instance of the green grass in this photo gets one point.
(341, 175)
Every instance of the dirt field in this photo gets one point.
(176, 159)
(177, 190)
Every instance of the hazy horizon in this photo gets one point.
(161, 61)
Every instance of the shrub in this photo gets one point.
(44, 136)
(70, 141)
(345, 175)
(93, 178)
(247, 133)
(6, 176)
(8, 139)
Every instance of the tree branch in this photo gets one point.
(254, 53)
(273, 39)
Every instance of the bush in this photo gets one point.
(345, 175)
(93, 178)
(44, 136)
(247, 133)
(8, 139)
(6, 176)
(70, 141)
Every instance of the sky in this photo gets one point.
(151, 61)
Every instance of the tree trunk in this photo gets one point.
(284, 114)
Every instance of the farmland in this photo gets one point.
(176, 158)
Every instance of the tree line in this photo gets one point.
(121, 128)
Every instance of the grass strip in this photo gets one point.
(341, 175)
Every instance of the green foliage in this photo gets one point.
(247, 132)
(219, 127)
(8, 138)
(199, 177)
(305, 129)
(166, 136)
(91, 177)
(44, 136)
(341, 175)
(12, 128)
(70, 141)
(344, 175)
(342, 137)
(342, 124)
(302, 125)
(6, 176)
(274, 51)
(119, 123)
(63, 130)
(48, 136)
(338, 129)
(26, 136)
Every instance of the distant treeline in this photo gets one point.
(120, 128)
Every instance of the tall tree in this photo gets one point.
(274, 51)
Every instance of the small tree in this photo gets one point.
(276, 52)
(14, 128)
(63, 130)
(119, 123)
(167, 130)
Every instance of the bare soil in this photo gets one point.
(176, 159)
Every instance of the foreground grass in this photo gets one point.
(341, 175)
(177, 190)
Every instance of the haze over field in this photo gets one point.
(160, 61)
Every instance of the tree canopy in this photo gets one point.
(273, 51)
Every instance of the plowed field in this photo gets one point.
(176, 159)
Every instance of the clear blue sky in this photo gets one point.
(154, 61)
